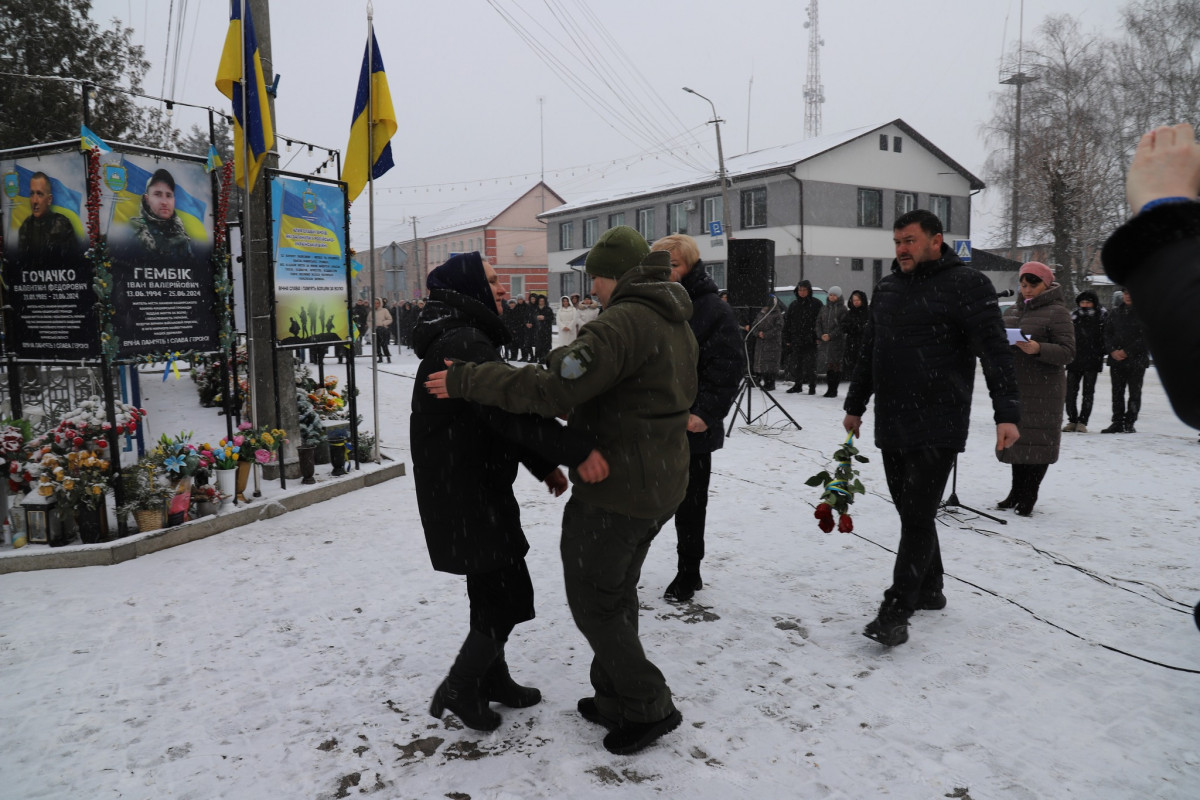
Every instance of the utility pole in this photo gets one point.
(256, 266)
(1018, 79)
(814, 92)
(417, 261)
(716, 121)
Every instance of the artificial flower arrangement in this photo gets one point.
(263, 443)
(14, 433)
(89, 422)
(838, 489)
(226, 454)
(176, 454)
(145, 489)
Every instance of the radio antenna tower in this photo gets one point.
(814, 92)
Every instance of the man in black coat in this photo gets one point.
(465, 459)
(928, 320)
(1128, 358)
(1089, 320)
(800, 339)
(718, 371)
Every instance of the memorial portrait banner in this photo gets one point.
(157, 213)
(308, 232)
(47, 274)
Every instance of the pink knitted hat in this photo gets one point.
(1039, 269)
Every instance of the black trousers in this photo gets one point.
(1074, 379)
(692, 512)
(916, 480)
(500, 600)
(1126, 378)
(805, 368)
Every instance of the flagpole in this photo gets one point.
(371, 217)
(247, 239)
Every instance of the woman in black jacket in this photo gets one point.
(465, 458)
(854, 325)
(543, 329)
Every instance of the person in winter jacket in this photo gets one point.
(568, 321)
(629, 381)
(718, 373)
(766, 335)
(524, 341)
(1157, 255)
(800, 339)
(514, 325)
(381, 323)
(1089, 318)
(542, 317)
(465, 458)
(831, 340)
(1128, 358)
(1040, 361)
(588, 311)
(158, 228)
(854, 326)
(928, 321)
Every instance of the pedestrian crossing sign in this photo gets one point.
(962, 249)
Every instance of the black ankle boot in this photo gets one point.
(499, 687)
(832, 379)
(461, 693)
(687, 582)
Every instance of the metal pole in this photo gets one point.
(720, 163)
(247, 246)
(371, 223)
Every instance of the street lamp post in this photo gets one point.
(716, 121)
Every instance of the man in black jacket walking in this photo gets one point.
(718, 372)
(928, 319)
(1089, 320)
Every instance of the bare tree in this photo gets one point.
(1068, 179)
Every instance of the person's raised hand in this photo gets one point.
(1166, 164)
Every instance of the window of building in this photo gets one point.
(896, 142)
(591, 231)
(754, 208)
(905, 202)
(677, 218)
(940, 206)
(568, 284)
(883, 141)
(856, 265)
(645, 223)
(566, 233)
(616, 219)
(516, 286)
(870, 208)
(717, 273)
(714, 210)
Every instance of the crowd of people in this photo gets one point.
(644, 388)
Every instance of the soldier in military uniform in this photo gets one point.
(158, 229)
(45, 239)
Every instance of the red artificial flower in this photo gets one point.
(823, 511)
(826, 524)
(120, 429)
(78, 441)
(845, 524)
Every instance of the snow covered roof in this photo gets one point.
(771, 159)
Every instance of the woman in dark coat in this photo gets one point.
(854, 325)
(543, 329)
(767, 332)
(465, 458)
(831, 341)
(1041, 377)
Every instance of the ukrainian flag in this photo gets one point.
(128, 203)
(372, 86)
(255, 130)
(67, 202)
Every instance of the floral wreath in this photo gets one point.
(838, 489)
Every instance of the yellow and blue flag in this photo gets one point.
(255, 130)
(214, 159)
(90, 141)
(372, 91)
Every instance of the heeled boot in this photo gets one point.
(499, 687)
(1032, 481)
(461, 691)
(833, 379)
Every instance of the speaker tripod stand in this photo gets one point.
(952, 501)
(746, 393)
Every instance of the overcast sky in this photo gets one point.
(466, 84)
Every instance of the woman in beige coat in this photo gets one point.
(1041, 361)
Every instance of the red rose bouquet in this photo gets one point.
(838, 489)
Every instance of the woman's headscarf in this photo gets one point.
(464, 274)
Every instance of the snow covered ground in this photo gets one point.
(295, 657)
